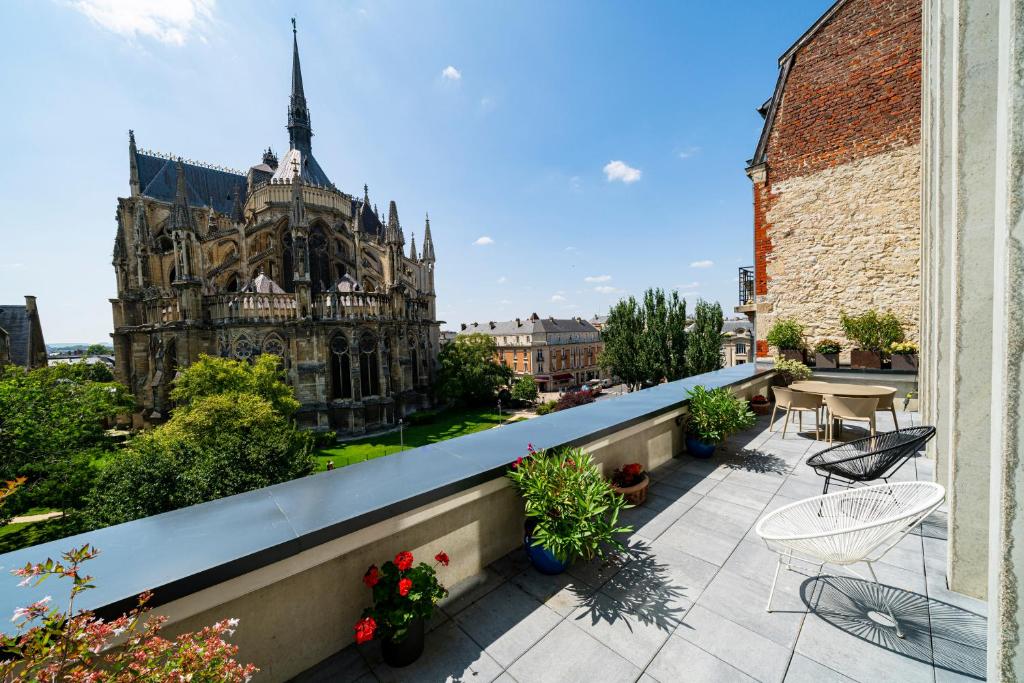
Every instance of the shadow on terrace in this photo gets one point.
(688, 598)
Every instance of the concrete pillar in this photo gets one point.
(1006, 556)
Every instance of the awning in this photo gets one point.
(564, 375)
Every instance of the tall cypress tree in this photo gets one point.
(704, 348)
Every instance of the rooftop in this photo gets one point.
(689, 598)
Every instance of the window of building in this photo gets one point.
(369, 368)
(341, 368)
(741, 348)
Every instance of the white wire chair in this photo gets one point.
(846, 527)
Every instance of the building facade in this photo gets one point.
(273, 260)
(558, 352)
(21, 335)
(837, 174)
(737, 343)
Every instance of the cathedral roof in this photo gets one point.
(261, 284)
(204, 184)
(309, 169)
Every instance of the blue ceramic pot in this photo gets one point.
(698, 448)
(543, 559)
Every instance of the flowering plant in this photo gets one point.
(903, 347)
(62, 645)
(759, 398)
(401, 593)
(827, 346)
(575, 509)
(628, 475)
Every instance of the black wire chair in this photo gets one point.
(871, 458)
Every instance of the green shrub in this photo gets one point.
(872, 331)
(791, 370)
(547, 407)
(714, 415)
(575, 507)
(786, 334)
(422, 417)
(827, 346)
(525, 389)
(324, 439)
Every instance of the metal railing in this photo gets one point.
(746, 285)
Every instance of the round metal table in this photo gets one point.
(839, 389)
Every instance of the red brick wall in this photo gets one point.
(853, 91)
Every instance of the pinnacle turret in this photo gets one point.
(300, 132)
(181, 217)
(428, 242)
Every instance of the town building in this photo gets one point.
(558, 352)
(737, 342)
(273, 260)
(837, 175)
(21, 335)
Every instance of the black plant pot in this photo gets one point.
(794, 354)
(408, 649)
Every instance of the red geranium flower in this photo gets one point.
(403, 560)
(517, 463)
(632, 470)
(364, 630)
(372, 576)
(403, 586)
(442, 557)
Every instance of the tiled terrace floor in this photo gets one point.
(688, 602)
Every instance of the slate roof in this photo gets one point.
(531, 325)
(15, 321)
(158, 180)
(309, 169)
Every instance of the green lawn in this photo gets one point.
(15, 536)
(447, 425)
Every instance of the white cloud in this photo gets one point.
(606, 289)
(483, 240)
(502, 280)
(575, 182)
(690, 285)
(487, 104)
(557, 297)
(169, 21)
(451, 73)
(597, 278)
(706, 263)
(619, 170)
(689, 152)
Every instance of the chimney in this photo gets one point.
(463, 326)
(519, 323)
(491, 324)
(30, 304)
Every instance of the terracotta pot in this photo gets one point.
(829, 361)
(904, 361)
(407, 650)
(761, 408)
(635, 494)
(793, 354)
(865, 360)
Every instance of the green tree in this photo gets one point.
(469, 372)
(52, 423)
(99, 350)
(221, 445)
(646, 342)
(525, 389)
(212, 376)
(704, 348)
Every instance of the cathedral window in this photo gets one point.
(414, 360)
(369, 369)
(341, 368)
(274, 345)
(243, 349)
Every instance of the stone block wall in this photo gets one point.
(837, 185)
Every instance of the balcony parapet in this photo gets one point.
(277, 554)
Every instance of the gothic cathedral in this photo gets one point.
(276, 260)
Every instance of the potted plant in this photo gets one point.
(712, 416)
(631, 482)
(873, 335)
(787, 335)
(904, 356)
(791, 370)
(572, 512)
(760, 405)
(404, 597)
(826, 354)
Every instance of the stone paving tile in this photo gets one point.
(569, 655)
(507, 622)
(750, 652)
(741, 495)
(684, 481)
(681, 660)
(634, 634)
(465, 593)
(346, 666)
(743, 602)
(803, 670)
(710, 546)
(563, 593)
(450, 655)
(660, 581)
(722, 516)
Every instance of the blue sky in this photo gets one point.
(569, 153)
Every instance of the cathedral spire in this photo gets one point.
(237, 214)
(300, 133)
(412, 248)
(133, 164)
(428, 243)
(181, 217)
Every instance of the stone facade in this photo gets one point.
(836, 174)
(276, 260)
